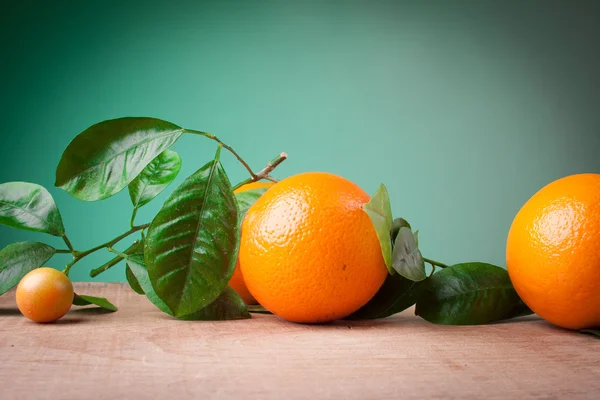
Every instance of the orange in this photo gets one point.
(237, 279)
(309, 253)
(553, 252)
(44, 295)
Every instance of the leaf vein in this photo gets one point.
(28, 212)
(115, 155)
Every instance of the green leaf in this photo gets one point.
(258, 309)
(396, 225)
(595, 332)
(106, 157)
(379, 210)
(132, 280)
(469, 294)
(396, 295)
(29, 206)
(137, 266)
(247, 198)
(228, 306)
(191, 246)
(406, 257)
(154, 178)
(17, 259)
(82, 300)
(519, 310)
(138, 250)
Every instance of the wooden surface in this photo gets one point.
(138, 352)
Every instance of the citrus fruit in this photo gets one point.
(308, 252)
(44, 295)
(553, 252)
(237, 279)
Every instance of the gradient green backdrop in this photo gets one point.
(463, 109)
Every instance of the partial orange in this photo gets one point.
(553, 252)
(44, 295)
(309, 253)
(237, 279)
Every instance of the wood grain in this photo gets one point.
(138, 352)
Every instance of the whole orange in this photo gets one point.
(237, 279)
(44, 295)
(553, 252)
(309, 253)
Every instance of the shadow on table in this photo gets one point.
(527, 318)
(90, 311)
(13, 311)
(7, 312)
(396, 320)
(68, 321)
(412, 320)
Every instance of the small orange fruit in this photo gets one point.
(309, 253)
(553, 252)
(237, 279)
(44, 295)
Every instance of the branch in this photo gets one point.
(80, 255)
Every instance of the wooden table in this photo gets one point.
(138, 352)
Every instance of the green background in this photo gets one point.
(463, 109)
